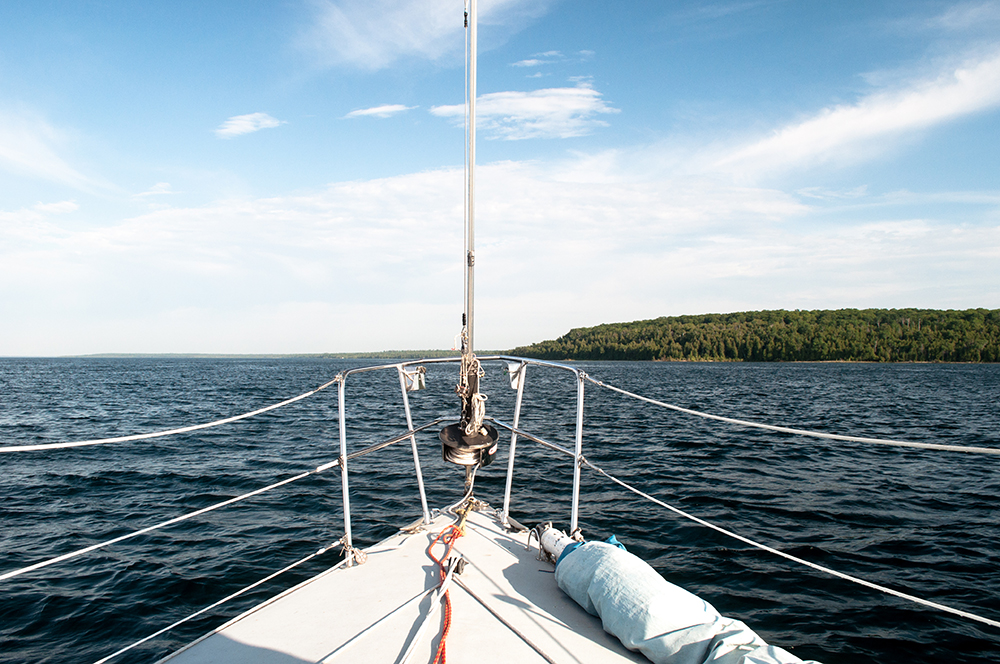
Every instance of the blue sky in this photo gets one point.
(286, 177)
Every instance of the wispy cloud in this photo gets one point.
(62, 207)
(346, 251)
(966, 15)
(581, 243)
(384, 111)
(246, 124)
(552, 57)
(30, 225)
(158, 189)
(30, 146)
(710, 11)
(373, 34)
(855, 131)
(548, 113)
(825, 194)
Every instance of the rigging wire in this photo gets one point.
(217, 604)
(746, 540)
(471, 483)
(801, 432)
(169, 432)
(164, 524)
(319, 469)
(764, 547)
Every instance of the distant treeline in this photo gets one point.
(847, 335)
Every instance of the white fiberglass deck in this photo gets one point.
(372, 611)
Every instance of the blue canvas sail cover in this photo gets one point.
(647, 613)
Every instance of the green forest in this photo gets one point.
(845, 335)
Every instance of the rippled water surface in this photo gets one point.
(922, 522)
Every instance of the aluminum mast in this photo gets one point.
(470, 442)
(470, 186)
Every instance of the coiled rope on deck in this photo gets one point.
(169, 432)
(788, 556)
(800, 432)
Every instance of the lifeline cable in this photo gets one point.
(820, 568)
(800, 432)
(216, 604)
(169, 432)
(763, 547)
(319, 469)
(164, 524)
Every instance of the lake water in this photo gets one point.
(923, 522)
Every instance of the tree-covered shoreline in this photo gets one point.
(843, 335)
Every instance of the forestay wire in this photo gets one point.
(801, 432)
(169, 432)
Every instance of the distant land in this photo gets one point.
(375, 355)
(843, 335)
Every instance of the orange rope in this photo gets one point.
(447, 537)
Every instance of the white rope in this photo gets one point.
(802, 432)
(158, 434)
(435, 606)
(478, 413)
(164, 524)
(477, 402)
(820, 568)
(216, 604)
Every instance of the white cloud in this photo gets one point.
(384, 111)
(855, 131)
(246, 124)
(822, 193)
(549, 113)
(548, 57)
(384, 246)
(62, 207)
(373, 34)
(966, 15)
(30, 146)
(158, 189)
(371, 264)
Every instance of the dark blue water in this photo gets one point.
(922, 522)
